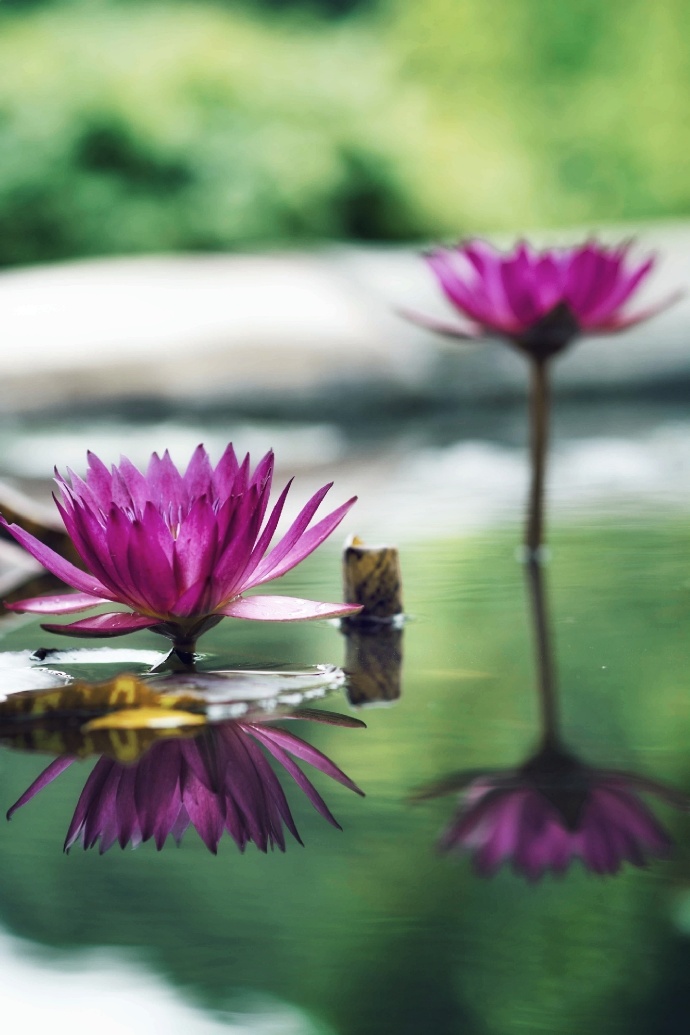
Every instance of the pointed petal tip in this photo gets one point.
(469, 332)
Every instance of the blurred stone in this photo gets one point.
(291, 326)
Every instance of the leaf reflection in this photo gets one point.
(554, 807)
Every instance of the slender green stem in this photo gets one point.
(539, 406)
(546, 672)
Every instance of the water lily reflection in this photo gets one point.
(554, 807)
(220, 781)
(551, 810)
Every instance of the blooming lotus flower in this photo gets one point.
(220, 781)
(539, 300)
(552, 810)
(179, 550)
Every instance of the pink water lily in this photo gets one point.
(539, 300)
(221, 781)
(179, 550)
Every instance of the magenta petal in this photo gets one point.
(285, 609)
(116, 623)
(89, 537)
(292, 536)
(47, 776)
(157, 793)
(165, 483)
(63, 604)
(281, 560)
(205, 810)
(226, 472)
(622, 322)
(195, 545)
(266, 536)
(56, 564)
(149, 564)
(136, 484)
(236, 543)
(99, 480)
(466, 331)
(269, 735)
(302, 781)
(624, 289)
(197, 478)
(459, 288)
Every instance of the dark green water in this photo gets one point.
(370, 929)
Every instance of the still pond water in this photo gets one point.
(372, 929)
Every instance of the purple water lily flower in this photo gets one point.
(179, 550)
(552, 810)
(219, 781)
(539, 300)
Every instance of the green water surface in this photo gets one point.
(370, 930)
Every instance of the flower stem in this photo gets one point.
(546, 672)
(181, 658)
(539, 406)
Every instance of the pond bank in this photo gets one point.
(287, 330)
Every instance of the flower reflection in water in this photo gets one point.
(219, 781)
(554, 809)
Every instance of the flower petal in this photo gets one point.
(197, 479)
(47, 776)
(296, 545)
(149, 564)
(622, 322)
(114, 623)
(56, 564)
(304, 751)
(465, 331)
(285, 609)
(62, 604)
(225, 473)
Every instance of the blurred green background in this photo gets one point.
(137, 126)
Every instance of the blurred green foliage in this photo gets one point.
(197, 125)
